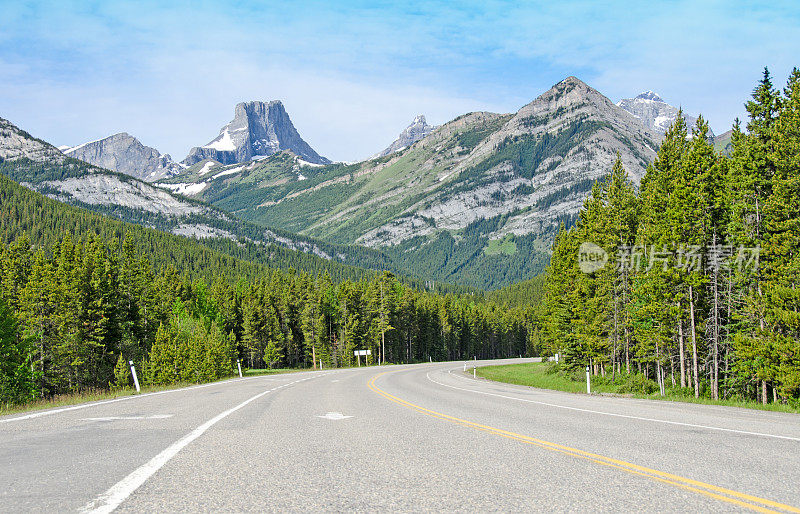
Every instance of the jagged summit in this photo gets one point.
(654, 112)
(417, 130)
(257, 129)
(649, 95)
(124, 153)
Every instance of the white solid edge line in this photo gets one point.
(126, 418)
(131, 397)
(627, 416)
(119, 492)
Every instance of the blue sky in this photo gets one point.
(353, 74)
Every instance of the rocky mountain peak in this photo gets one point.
(257, 129)
(599, 129)
(655, 113)
(15, 144)
(417, 130)
(124, 153)
(569, 92)
(649, 95)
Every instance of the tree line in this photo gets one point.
(72, 315)
(692, 280)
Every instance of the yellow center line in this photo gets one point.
(727, 495)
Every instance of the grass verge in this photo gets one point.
(65, 400)
(276, 371)
(552, 376)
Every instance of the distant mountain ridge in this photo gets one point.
(477, 200)
(417, 130)
(258, 129)
(124, 153)
(41, 167)
(654, 112)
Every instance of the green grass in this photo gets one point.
(65, 400)
(276, 371)
(501, 246)
(536, 375)
(551, 376)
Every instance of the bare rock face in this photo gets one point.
(15, 144)
(124, 153)
(592, 128)
(571, 135)
(655, 113)
(62, 175)
(418, 129)
(257, 129)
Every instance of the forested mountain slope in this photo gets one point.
(41, 167)
(476, 201)
(82, 294)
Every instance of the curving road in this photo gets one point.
(422, 437)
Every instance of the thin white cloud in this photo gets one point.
(353, 76)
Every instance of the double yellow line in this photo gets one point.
(719, 493)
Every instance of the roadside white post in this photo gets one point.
(588, 382)
(135, 378)
(465, 367)
(239, 364)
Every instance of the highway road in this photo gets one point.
(424, 437)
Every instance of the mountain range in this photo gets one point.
(41, 167)
(477, 200)
(474, 201)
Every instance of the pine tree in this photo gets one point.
(749, 185)
(122, 373)
(781, 259)
(161, 365)
(16, 376)
(385, 287)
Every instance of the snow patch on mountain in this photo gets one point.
(186, 189)
(206, 168)
(231, 171)
(223, 143)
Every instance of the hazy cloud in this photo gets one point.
(354, 74)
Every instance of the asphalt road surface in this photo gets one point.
(424, 437)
